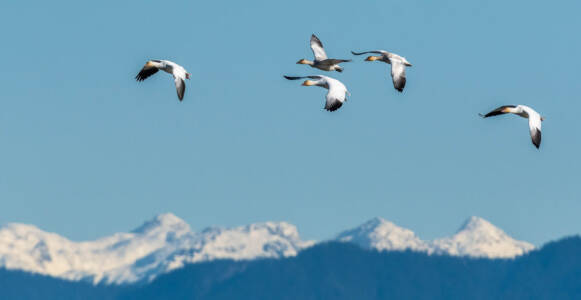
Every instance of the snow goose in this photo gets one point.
(179, 73)
(524, 111)
(321, 61)
(398, 64)
(337, 90)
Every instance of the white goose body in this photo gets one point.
(321, 61)
(398, 64)
(337, 94)
(535, 119)
(178, 72)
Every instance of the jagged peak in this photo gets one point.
(382, 234)
(477, 223)
(376, 224)
(165, 221)
(480, 238)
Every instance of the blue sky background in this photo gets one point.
(86, 151)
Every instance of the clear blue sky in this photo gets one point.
(86, 151)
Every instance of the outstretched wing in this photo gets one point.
(301, 77)
(146, 71)
(317, 48)
(535, 128)
(499, 111)
(333, 61)
(373, 51)
(180, 87)
(332, 104)
(398, 75)
(336, 95)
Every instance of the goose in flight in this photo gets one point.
(321, 61)
(524, 111)
(398, 64)
(337, 90)
(179, 73)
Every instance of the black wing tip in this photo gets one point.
(335, 106)
(317, 40)
(339, 70)
(399, 85)
(145, 73)
(181, 89)
(536, 138)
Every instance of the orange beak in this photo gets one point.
(371, 58)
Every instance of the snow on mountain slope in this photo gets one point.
(381, 234)
(159, 245)
(478, 238)
(166, 243)
(260, 240)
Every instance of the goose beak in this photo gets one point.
(301, 62)
(371, 58)
(308, 83)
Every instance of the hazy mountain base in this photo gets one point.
(339, 271)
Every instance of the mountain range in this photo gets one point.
(167, 243)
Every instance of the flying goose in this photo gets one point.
(524, 111)
(337, 90)
(398, 64)
(179, 73)
(321, 61)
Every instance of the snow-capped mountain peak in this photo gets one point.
(479, 238)
(476, 238)
(159, 245)
(163, 224)
(166, 242)
(381, 234)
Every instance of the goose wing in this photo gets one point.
(333, 61)
(317, 48)
(179, 75)
(535, 127)
(336, 95)
(146, 71)
(383, 52)
(498, 111)
(180, 87)
(398, 75)
(301, 77)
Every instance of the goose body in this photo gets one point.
(398, 64)
(178, 72)
(337, 92)
(535, 119)
(321, 61)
